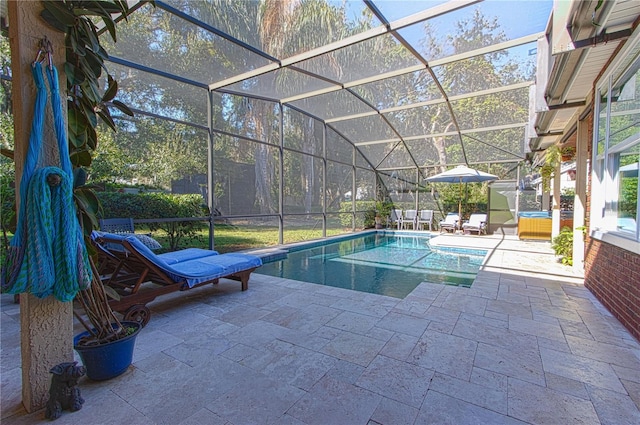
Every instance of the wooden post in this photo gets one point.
(46, 325)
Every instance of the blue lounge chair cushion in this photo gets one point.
(145, 239)
(185, 255)
(235, 262)
(110, 246)
(144, 250)
(206, 268)
(148, 241)
(200, 268)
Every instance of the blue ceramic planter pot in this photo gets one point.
(109, 360)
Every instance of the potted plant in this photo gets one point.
(568, 153)
(106, 347)
(551, 161)
(383, 210)
(378, 220)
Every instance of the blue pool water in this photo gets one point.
(379, 263)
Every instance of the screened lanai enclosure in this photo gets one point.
(305, 112)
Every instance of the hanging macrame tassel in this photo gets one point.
(64, 289)
(47, 255)
(15, 253)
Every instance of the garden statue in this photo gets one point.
(64, 392)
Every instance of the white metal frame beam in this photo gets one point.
(445, 134)
(374, 32)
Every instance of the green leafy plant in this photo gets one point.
(563, 245)
(7, 182)
(362, 220)
(86, 103)
(551, 161)
(160, 206)
(568, 153)
(380, 209)
(7, 167)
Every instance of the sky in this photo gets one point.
(516, 17)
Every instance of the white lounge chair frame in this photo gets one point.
(476, 223)
(450, 222)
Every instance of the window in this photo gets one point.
(616, 153)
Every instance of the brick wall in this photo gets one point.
(612, 274)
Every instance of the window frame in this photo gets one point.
(605, 173)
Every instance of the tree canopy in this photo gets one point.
(419, 132)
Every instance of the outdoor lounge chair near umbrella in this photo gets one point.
(476, 223)
(461, 174)
(450, 223)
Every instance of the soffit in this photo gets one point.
(574, 73)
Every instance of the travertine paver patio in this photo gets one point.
(526, 344)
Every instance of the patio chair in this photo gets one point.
(425, 218)
(450, 223)
(125, 226)
(139, 275)
(476, 223)
(396, 218)
(409, 218)
(117, 225)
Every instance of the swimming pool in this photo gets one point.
(380, 263)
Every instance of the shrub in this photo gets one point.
(7, 210)
(563, 245)
(361, 220)
(370, 208)
(157, 206)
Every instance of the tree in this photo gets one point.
(7, 166)
(282, 29)
(474, 74)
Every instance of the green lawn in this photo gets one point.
(237, 238)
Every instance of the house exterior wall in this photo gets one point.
(611, 264)
(612, 274)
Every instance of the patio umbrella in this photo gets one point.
(461, 174)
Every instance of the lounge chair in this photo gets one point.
(450, 223)
(409, 218)
(425, 217)
(476, 223)
(138, 275)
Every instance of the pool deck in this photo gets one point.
(526, 344)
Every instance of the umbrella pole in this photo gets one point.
(460, 208)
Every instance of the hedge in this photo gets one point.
(157, 206)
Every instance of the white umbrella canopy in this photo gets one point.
(461, 174)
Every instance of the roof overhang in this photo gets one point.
(572, 69)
